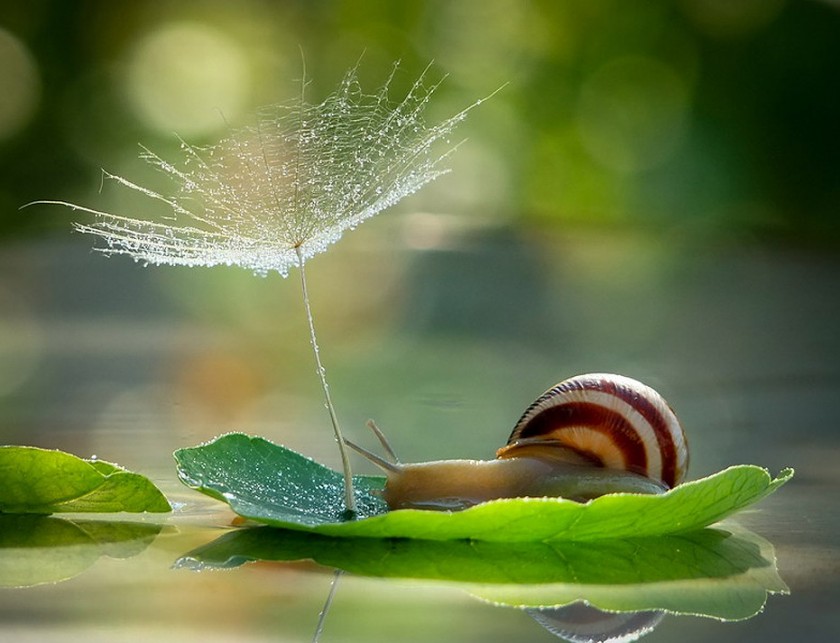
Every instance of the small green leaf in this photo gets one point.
(273, 485)
(260, 479)
(42, 481)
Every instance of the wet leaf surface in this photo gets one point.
(273, 485)
(44, 481)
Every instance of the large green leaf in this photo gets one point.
(43, 481)
(711, 572)
(273, 485)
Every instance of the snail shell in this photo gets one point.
(611, 420)
(584, 437)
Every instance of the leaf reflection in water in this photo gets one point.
(724, 574)
(35, 550)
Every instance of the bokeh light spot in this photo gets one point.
(20, 83)
(186, 77)
(460, 41)
(631, 114)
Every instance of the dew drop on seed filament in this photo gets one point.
(301, 172)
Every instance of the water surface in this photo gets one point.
(445, 348)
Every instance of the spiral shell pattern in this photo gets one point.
(612, 420)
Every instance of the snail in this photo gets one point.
(585, 437)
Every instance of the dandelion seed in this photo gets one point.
(270, 196)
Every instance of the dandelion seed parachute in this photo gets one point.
(289, 185)
(270, 196)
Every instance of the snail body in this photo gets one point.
(584, 437)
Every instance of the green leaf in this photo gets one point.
(261, 480)
(42, 481)
(43, 549)
(273, 485)
(724, 574)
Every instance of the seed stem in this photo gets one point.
(349, 497)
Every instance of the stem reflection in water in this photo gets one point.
(322, 617)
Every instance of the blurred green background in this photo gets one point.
(697, 117)
(655, 191)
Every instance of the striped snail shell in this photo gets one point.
(611, 420)
(585, 437)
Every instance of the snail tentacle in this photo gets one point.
(392, 465)
(379, 461)
(383, 441)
